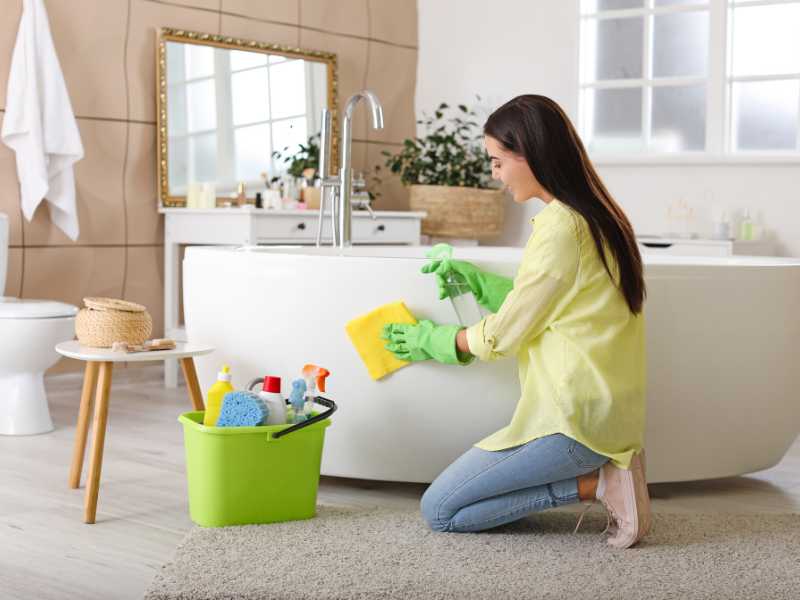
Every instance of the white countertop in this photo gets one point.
(238, 210)
(692, 240)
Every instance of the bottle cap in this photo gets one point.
(225, 374)
(272, 384)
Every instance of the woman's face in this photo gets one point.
(513, 170)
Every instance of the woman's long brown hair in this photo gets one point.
(537, 128)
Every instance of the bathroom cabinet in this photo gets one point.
(702, 247)
(248, 225)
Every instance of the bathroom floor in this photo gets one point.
(46, 551)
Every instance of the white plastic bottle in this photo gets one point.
(746, 226)
(271, 395)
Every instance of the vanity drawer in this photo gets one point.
(279, 228)
(686, 249)
(272, 229)
(386, 231)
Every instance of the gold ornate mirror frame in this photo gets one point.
(168, 34)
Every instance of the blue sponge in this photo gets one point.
(242, 409)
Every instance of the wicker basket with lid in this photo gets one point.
(108, 320)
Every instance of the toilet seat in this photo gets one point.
(23, 308)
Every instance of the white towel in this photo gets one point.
(39, 124)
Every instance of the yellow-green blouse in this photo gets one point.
(581, 352)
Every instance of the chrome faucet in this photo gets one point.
(340, 188)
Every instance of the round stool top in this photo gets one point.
(73, 349)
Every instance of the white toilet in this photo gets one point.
(29, 331)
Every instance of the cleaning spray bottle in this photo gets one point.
(215, 395)
(315, 380)
(466, 307)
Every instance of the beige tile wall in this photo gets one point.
(107, 53)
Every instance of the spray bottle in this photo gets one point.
(466, 307)
(315, 380)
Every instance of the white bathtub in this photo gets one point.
(722, 341)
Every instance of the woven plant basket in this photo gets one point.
(107, 320)
(459, 212)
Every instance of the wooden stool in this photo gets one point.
(100, 362)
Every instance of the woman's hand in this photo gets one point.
(451, 276)
(424, 341)
(456, 277)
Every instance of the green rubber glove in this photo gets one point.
(424, 341)
(456, 277)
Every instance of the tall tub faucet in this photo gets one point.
(340, 188)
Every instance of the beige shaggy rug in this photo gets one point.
(346, 553)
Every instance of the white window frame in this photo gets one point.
(719, 84)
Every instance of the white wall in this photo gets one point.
(508, 47)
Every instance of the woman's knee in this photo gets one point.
(430, 507)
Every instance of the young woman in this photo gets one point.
(572, 317)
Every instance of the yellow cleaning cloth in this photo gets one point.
(365, 334)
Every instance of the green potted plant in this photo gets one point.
(304, 163)
(306, 156)
(450, 177)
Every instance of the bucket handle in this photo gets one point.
(317, 399)
(320, 417)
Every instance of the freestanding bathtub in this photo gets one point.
(722, 341)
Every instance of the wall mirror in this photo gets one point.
(226, 104)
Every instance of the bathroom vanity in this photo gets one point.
(248, 225)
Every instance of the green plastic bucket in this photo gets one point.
(247, 475)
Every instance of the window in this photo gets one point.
(764, 76)
(690, 77)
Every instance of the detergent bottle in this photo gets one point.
(215, 395)
(271, 395)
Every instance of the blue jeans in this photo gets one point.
(482, 489)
